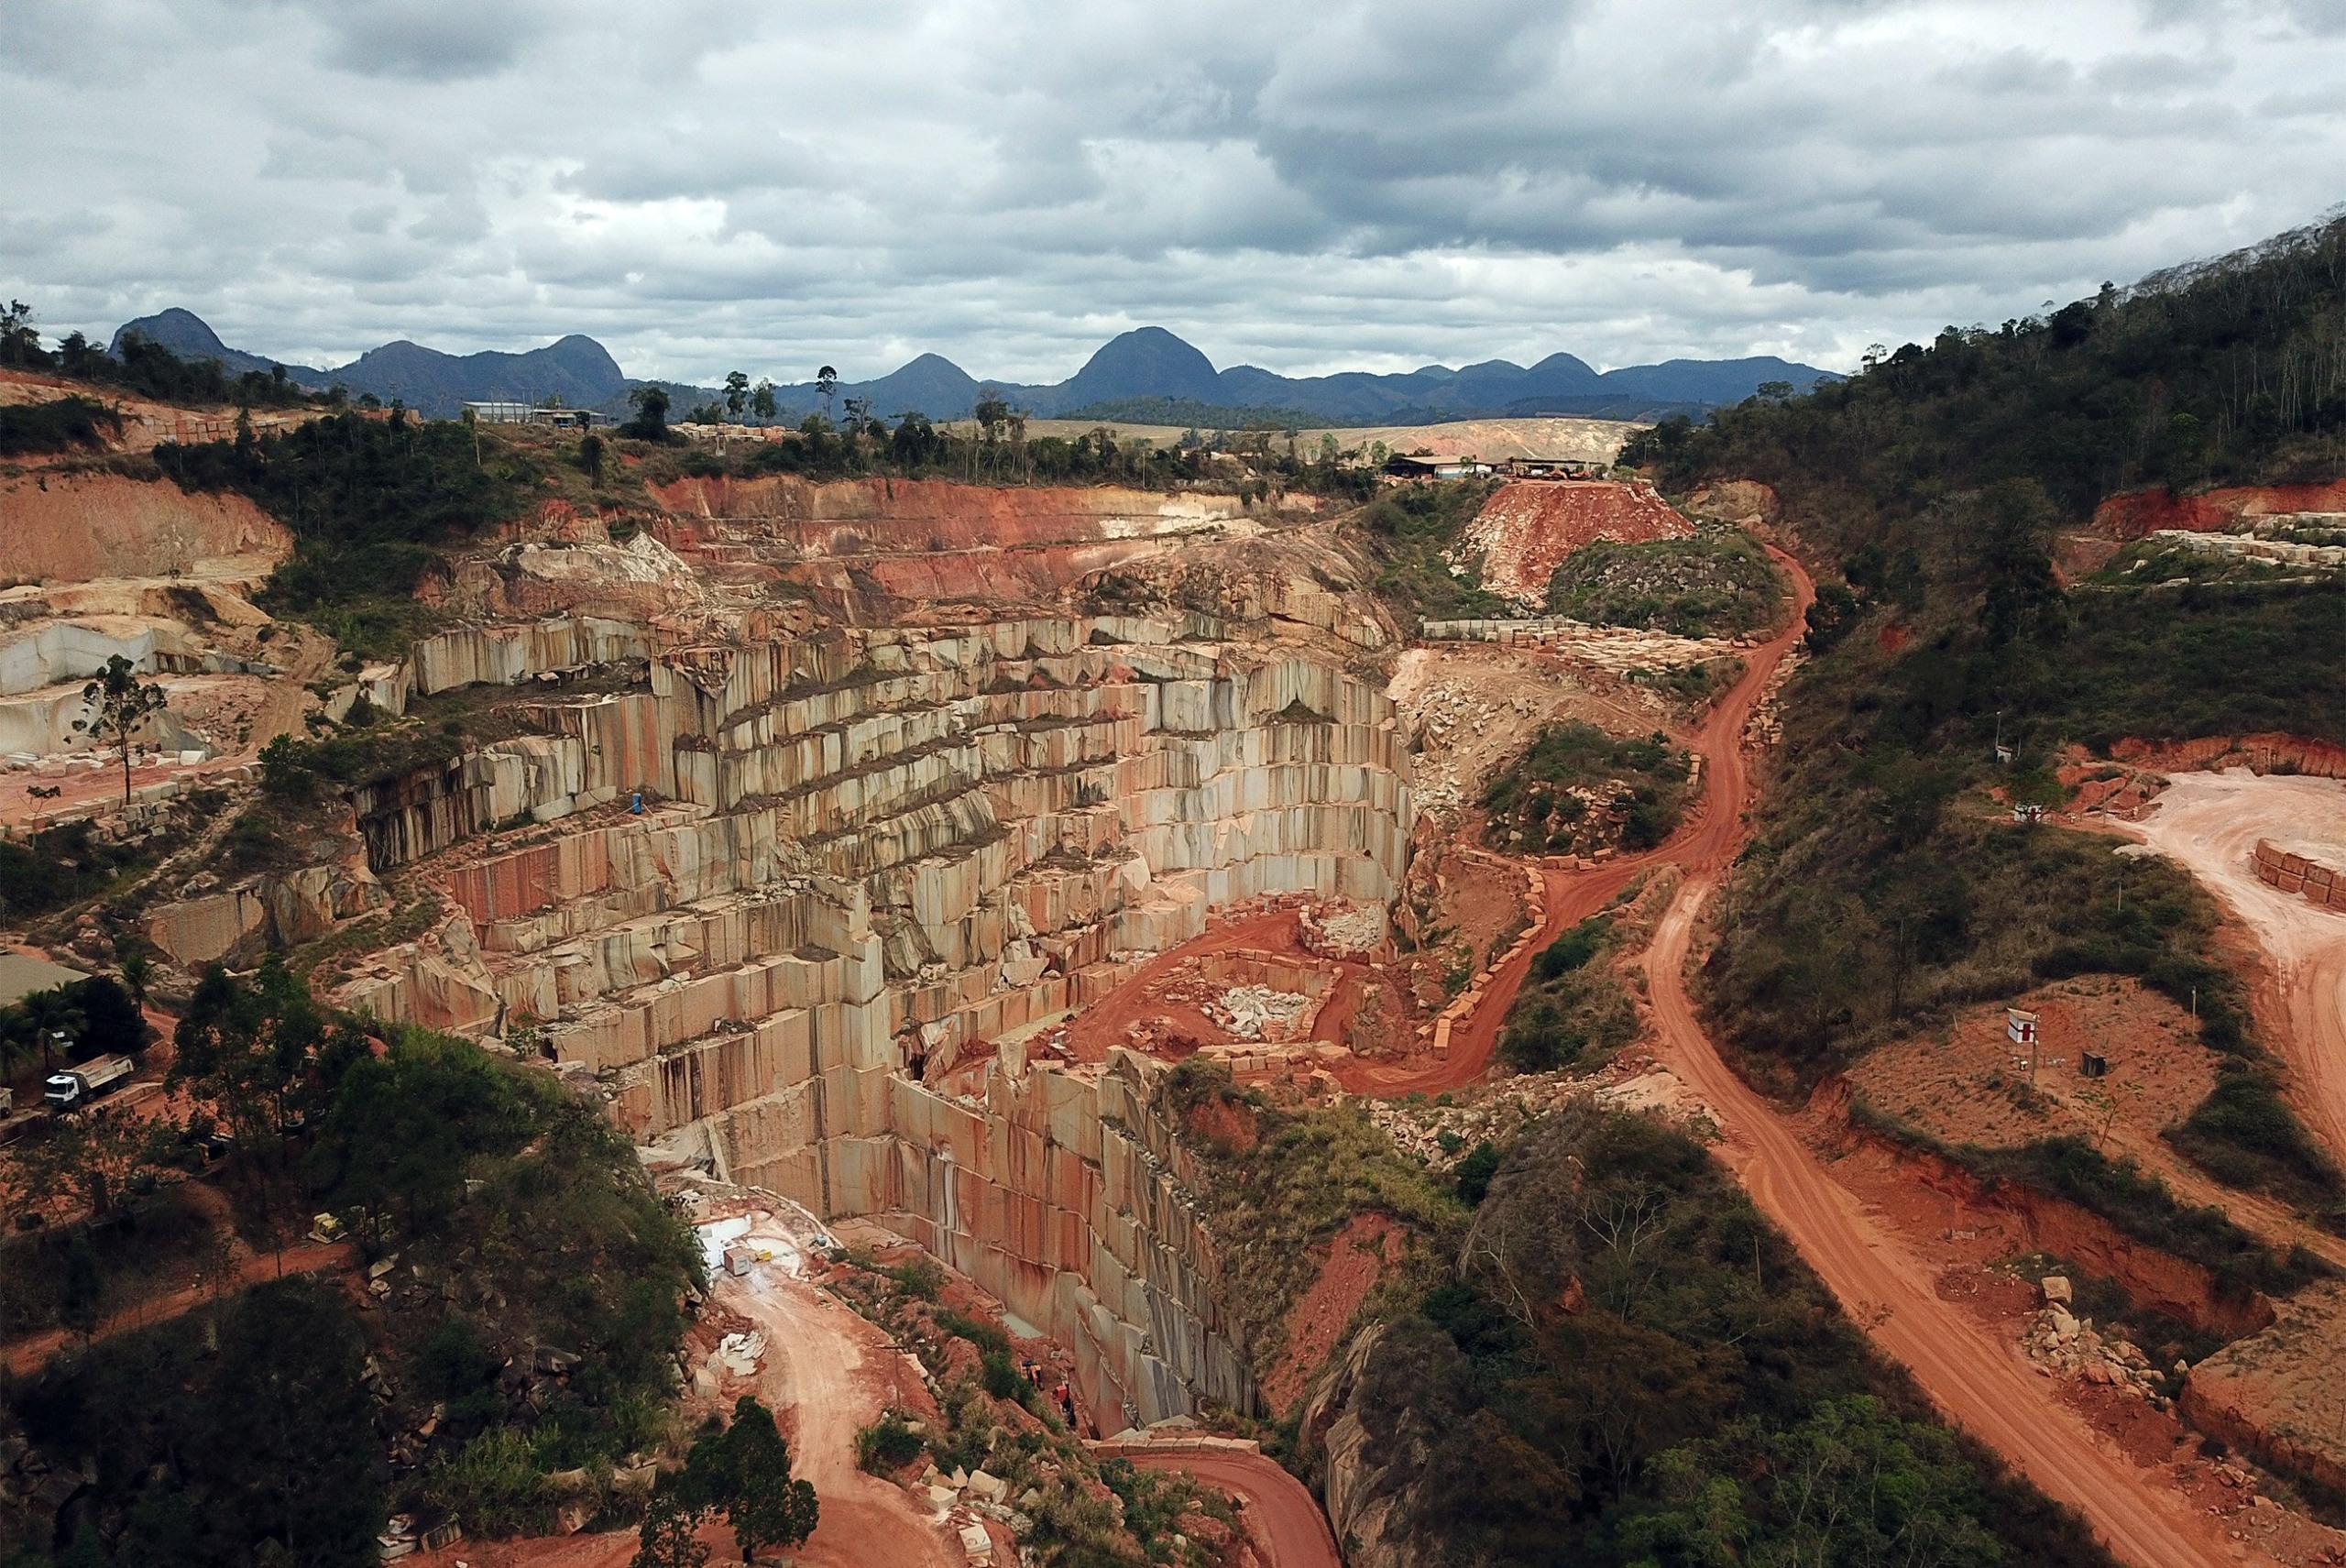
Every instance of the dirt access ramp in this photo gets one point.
(2211, 824)
(1527, 529)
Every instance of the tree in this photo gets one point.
(19, 343)
(666, 1539)
(93, 1157)
(123, 702)
(135, 968)
(827, 381)
(749, 1481)
(244, 1046)
(737, 393)
(651, 421)
(762, 401)
(47, 1019)
(741, 1471)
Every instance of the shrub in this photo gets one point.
(887, 1445)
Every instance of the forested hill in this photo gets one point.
(2226, 371)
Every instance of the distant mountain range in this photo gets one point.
(1147, 364)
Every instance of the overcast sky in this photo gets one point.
(1325, 185)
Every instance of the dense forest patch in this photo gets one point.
(1886, 883)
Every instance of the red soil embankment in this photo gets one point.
(1524, 530)
(2136, 513)
(2155, 1279)
(1356, 1259)
(2270, 752)
(74, 528)
(1281, 1514)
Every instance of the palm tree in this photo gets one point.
(52, 1016)
(136, 970)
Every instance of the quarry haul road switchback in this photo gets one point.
(1285, 1516)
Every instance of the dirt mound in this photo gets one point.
(1525, 531)
(75, 528)
(2138, 514)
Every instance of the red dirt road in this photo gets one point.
(1977, 1381)
(1280, 1510)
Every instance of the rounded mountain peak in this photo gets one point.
(1147, 362)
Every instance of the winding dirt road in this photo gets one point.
(829, 1372)
(1976, 1381)
(1711, 837)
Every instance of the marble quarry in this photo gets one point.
(800, 901)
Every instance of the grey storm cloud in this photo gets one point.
(1294, 183)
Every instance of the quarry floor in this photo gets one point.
(2209, 823)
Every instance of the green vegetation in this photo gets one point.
(1611, 1359)
(1572, 1012)
(1579, 790)
(1718, 584)
(1295, 1181)
(60, 867)
(741, 1470)
(1408, 534)
(994, 1418)
(1881, 891)
(57, 426)
(241, 1433)
(2220, 372)
(369, 502)
(96, 1015)
(516, 1220)
(2135, 1202)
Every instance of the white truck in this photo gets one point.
(79, 1085)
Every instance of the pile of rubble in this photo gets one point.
(2060, 1341)
(2242, 547)
(1258, 1013)
(966, 1498)
(1340, 930)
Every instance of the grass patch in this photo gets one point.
(1578, 790)
(1573, 1012)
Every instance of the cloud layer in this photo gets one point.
(1310, 186)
